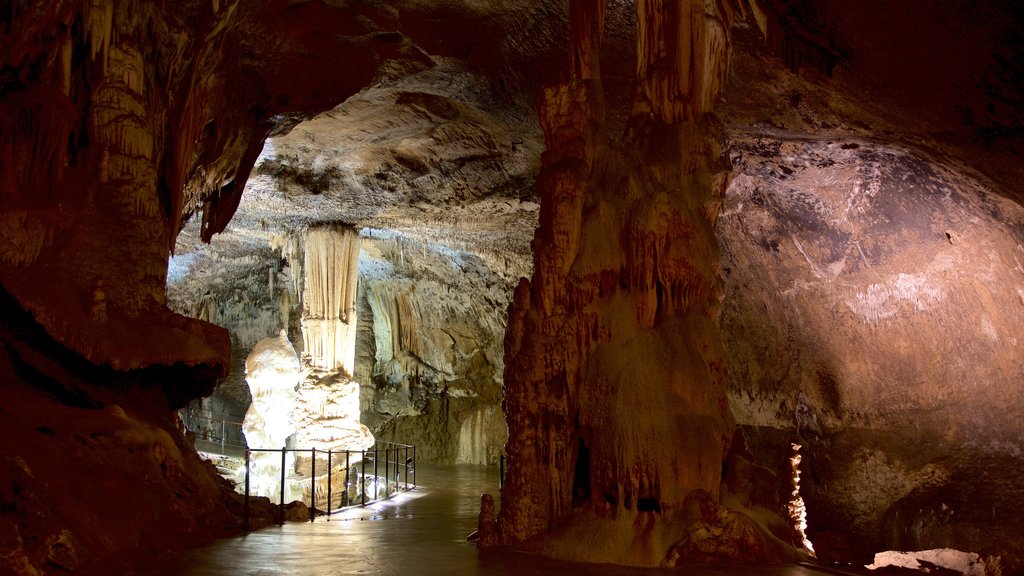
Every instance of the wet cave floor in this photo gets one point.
(419, 533)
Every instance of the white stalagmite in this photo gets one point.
(331, 270)
(272, 371)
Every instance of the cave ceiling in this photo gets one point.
(443, 147)
(433, 156)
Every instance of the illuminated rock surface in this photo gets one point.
(273, 372)
(829, 260)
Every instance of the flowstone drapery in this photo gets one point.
(331, 270)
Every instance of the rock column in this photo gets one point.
(615, 385)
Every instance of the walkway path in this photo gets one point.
(420, 533)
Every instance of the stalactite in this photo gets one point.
(586, 31)
(618, 316)
(329, 296)
(683, 55)
(66, 48)
(34, 129)
(98, 23)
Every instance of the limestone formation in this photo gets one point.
(273, 372)
(329, 297)
(799, 216)
(436, 319)
(327, 414)
(620, 317)
(870, 310)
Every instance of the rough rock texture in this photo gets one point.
(437, 319)
(95, 472)
(330, 268)
(327, 414)
(436, 168)
(120, 120)
(880, 333)
(872, 306)
(615, 381)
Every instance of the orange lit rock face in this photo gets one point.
(615, 382)
(120, 120)
(117, 121)
(872, 308)
(869, 292)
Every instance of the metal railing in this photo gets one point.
(215, 435)
(361, 474)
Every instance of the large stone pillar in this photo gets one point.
(272, 370)
(615, 383)
(328, 408)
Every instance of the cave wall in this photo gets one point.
(436, 359)
(121, 119)
(871, 310)
(118, 121)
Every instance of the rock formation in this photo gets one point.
(437, 318)
(829, 259)
(620, 317)
(327, 414)
(871, 310)
(330, 268)
(273, 372)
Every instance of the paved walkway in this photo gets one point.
(421, 533)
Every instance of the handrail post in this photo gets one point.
(345, 499)
(281, 509)
(387, 472)
(414, 466)
(312, 486)
(247, 526)
(406, 466)
(376, 489)
(329, 495)
(362, 472)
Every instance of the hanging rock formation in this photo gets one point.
(436, 319)
(329, 297)
(868, 281)
(121, 120)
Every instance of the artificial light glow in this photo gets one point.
(797, 512)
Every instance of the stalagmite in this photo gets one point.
(272, 371)
(615, 382)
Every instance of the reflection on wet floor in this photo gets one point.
(421, 533)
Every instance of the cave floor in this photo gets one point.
(421, 533)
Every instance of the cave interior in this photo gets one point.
(661, 258)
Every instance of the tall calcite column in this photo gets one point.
(328, 407)
(615, 383)
(331, 268)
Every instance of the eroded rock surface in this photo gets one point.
(872, 309)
